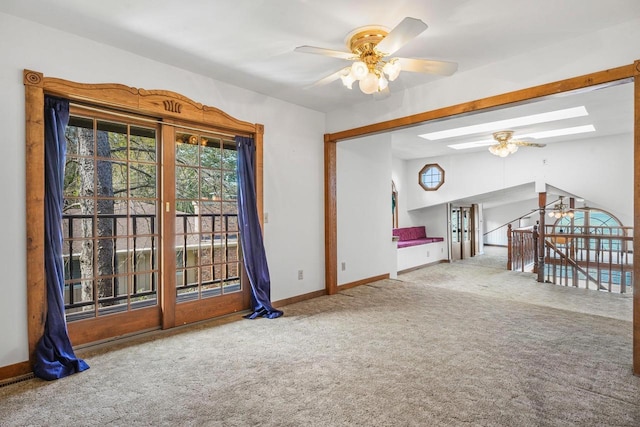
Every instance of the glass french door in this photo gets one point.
(208, 265)
(460, 233)
(111, 227)
(150, 226)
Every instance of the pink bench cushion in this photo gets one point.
(407, 243)
(413, 236)
(410, 233)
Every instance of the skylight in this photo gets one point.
(550, 116)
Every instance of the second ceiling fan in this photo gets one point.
(371, 48)
(505, 145)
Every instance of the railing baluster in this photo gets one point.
(226, 247)
(590, 254)
(114, 280)
(153, 253)
(185, 253)
(70, 262)
(133, 263)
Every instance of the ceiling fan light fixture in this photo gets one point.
(383, 83)
(359, 70)
(369, 84)
(347, 78)
(392, 69)
(503, 150)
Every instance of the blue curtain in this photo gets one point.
(54, 354)
(255, 259)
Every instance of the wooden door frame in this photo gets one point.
(610, 76)
(466, 210)
(475, 232)
(158, 104)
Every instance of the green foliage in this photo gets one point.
(205, 169)
(132, 154)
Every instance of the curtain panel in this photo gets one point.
(255, 259)
(54, 356)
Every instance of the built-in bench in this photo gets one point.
(415, 248)
(413, 236)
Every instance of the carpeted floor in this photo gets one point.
(441, 346)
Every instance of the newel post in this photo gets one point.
(535, 246)
(509, 248)
(542, 203)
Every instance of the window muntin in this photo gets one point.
(208, 261)
(593, 222)
(110, 216)
(431, 177)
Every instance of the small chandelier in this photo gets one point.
(560, 210)
(504, 145)
(503, 150)
(371, 71)
(372, 77)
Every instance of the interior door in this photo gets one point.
(456, 234)
(461, 233)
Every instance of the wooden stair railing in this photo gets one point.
(592, 255)
(522, 248)
(550, 245)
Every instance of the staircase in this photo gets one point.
(591, 257)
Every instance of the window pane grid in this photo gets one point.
(206, 217)
(110, 240)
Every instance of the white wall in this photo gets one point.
(598, 170)
(435, 218)
(364, 208)
(500, 215)
(293, 158)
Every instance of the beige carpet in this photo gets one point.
(404, 352)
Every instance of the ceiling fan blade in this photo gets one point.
(325, 52)
(429, 66)
(527, 144)
(326, 80)
(404, 32)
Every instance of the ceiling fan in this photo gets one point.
(370, 48)
(506, 146)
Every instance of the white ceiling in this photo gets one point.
(250, 43)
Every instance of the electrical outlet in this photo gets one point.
(344, 266)
(428, 254)
(300, 274)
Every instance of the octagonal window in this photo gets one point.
(431, 177)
